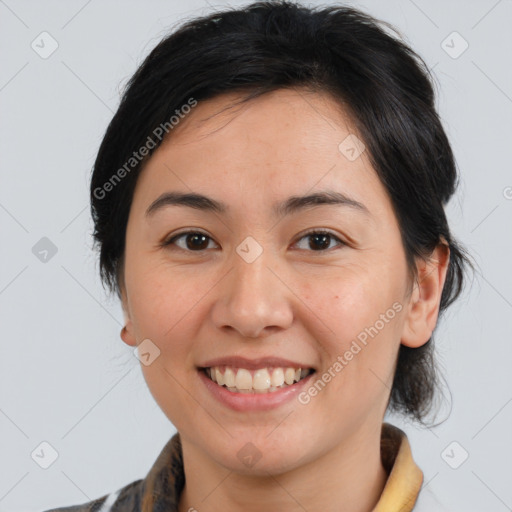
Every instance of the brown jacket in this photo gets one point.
(160, 490)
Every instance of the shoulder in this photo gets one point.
(125, 499)
(428, 502)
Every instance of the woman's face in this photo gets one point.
(256, 295)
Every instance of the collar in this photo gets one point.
(165, 480)
(404, 476)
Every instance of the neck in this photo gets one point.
(348, 478)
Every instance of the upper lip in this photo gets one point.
(253, 364)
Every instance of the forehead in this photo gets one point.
(281, 120)
(278, 144)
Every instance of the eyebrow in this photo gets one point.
(291, 205)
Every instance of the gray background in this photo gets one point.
(66, 377)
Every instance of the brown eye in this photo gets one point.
(320, 241)
(194, 241)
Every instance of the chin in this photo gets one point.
(259, 455)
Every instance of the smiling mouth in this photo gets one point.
(263, 380)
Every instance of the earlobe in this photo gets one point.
(423, 307)
(127, 334)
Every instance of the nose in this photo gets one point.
(254, 299)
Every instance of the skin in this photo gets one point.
(292, 301)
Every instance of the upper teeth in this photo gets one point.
(261, 380)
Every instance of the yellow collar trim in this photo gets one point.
(405, 477)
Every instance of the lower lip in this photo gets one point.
(253, 401)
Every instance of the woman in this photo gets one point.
(269, 207)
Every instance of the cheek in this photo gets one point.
(162, 301)
(361, 317)
(165, 310)
(352, 302)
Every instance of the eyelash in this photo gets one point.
(171, 241)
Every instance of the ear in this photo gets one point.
(424, 301)
(127, 332)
